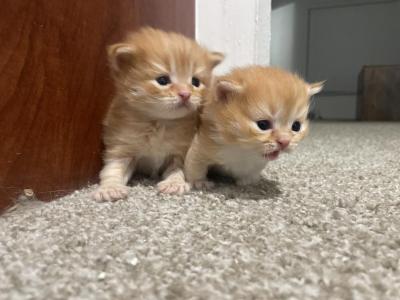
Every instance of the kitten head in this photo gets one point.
(162, 74)
(261, 108)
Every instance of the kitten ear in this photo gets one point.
(315, 88)
(216, 58)
(226, 88)
(121, 56)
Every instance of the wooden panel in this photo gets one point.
(55, 86)
(175, 15)
(379, 93)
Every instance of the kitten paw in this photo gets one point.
(173, 186)
(203, 184)
(110, 193)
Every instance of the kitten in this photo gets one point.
(160, 78)
(250, 117)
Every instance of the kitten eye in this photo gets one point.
(163, 80)
(296, 126)
(264, 124)
(195, 81)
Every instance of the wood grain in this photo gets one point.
(55, 86)
(175, 15)
(379, 93)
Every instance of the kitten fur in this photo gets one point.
(151, 122)
(229, 137)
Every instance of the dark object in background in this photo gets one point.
(379, 93)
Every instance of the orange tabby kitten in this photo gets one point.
(250, 116)
(160, 78)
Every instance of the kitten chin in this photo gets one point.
(160, 80)
(250, 117)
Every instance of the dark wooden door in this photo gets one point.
(55, 86)
(379, 93)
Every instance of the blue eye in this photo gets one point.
(264, 124)
(163, 80)
(296, 126)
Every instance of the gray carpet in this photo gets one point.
(324, 224)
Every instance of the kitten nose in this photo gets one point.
(184, 95)
(283, 143)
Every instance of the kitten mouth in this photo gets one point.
(185, 105)
(272, 155)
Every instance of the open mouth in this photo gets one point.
(272, 155)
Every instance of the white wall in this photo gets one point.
(239, 28)
(283, 36)
(289, 34)
(343, 39)
(333, 39)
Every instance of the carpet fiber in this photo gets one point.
(323, 224)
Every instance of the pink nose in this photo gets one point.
(283, 144)
(184, 95)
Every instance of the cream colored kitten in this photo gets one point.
(250, 116)
(160, 78)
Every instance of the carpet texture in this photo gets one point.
(323, 224)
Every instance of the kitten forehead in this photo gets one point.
(199, 68)
(159, 67)
(169, 51)
(278, 111)
(180, 67)
(172, 65)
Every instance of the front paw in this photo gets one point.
(173, 186)
(203, 184)
(110, 193)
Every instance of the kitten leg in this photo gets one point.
(196, 167)
(113, 179)
(174, 178)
